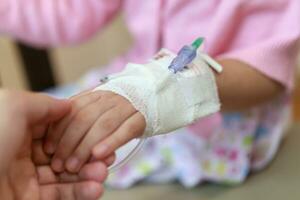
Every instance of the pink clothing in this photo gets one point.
(263, 34)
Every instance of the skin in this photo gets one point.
(95, 116)
(101, 122)
(25, 171)
(242, 87)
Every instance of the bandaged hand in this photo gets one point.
(167, 100)
(99, 122)
(142, 100)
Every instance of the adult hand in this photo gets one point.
(25, 171)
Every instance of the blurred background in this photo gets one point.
(23, 67)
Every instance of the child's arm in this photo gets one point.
(240, 86)
(103, 121)
(55, 22)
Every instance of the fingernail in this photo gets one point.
(57, 165)
(72, 164)
(101, 151)
(49, 148)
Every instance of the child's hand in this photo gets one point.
(99, 122)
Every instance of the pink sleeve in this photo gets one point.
(55, 22)
(264, 34)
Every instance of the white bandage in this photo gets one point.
(168, 101)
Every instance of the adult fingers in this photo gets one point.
(40, 108)
(86, 190)
(95, 171)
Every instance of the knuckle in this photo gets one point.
(120, 99)
(107, 95)
(123, 100)
(79, 101)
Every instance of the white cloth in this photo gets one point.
(168, 101)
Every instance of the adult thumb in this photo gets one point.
(40, 108)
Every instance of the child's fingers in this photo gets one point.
(104, 126)
(76, 130)
(110, 160)
(130, 129)
(55, 132)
